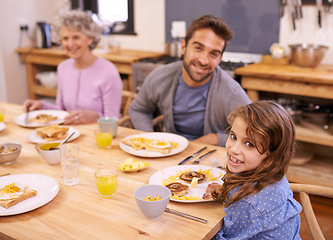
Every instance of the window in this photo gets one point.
(118, 12)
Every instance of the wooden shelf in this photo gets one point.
(318, 171)
(308, 132)
(44, 91)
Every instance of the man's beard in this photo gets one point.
(187, 69)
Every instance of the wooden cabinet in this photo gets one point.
(34, 57)
(307, 82)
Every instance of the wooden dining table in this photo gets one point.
(78, 212)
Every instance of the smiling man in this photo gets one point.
(194, 95)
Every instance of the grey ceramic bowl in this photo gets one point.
(152, 209)
(10, 157)
(307, 55)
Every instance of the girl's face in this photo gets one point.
(242, 154)
(76, 43)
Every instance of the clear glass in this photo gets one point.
(106, 182)
(69, 153)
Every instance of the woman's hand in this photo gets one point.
(81, 117)
(32, 105)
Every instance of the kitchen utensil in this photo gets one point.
(5, 174)
(329, 7)
(216, 163)
(283, 4)
(65, 140)
(192, 156)
(307, 55)
(26, 120)
(201, 157)
(186, 215)
(320, 8)
(50, 152)
(300, 12)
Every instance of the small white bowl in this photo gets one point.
(48, 79)
(152, 209)
(50, 156)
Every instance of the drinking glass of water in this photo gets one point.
(69, 153)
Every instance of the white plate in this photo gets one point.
(2, 126)
(182, 143)
(20, 120)
(33, 137)
(47, 188)
(158, 177)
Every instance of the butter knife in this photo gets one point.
(26, 120)
(216, 163)
(192, 156)
(186, 215)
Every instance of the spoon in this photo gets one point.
(65, 140)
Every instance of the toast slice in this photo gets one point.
(53, 132)
(145, 144)
(27, 193)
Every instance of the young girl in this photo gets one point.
(256, 194)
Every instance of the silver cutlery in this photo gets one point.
(192, 156)
(186, 215)
(5, 174)
(216, 163)
(201, 157)
(65, 140)
(26, 120)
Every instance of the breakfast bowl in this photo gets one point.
(152, 200)
(49, 152)
(48, 79)
(307, 55)
(9, 152)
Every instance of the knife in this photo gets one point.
(216, 163)
(319, 6)
(26, 120)
(186, 215)
(192, 156)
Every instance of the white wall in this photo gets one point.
(308, 31)
(149, 26)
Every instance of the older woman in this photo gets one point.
(89, 87)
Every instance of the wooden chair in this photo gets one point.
(125, 120)
(127, 98)
(304, 191)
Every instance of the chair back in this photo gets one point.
(304, 191)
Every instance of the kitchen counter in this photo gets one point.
(289, 79)
(34, 57)
(305, 82)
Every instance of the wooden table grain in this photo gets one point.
(77, 212)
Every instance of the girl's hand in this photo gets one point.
(81, 117)
(214, 190)
(32, 105)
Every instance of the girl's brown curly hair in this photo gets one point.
(272, 122)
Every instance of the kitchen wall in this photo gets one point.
(150, 29)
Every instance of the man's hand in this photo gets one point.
(210, 138)
(81, 117)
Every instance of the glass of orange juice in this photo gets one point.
(103, 139)
(2, 114)
(106, 182)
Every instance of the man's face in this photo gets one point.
(201, 55)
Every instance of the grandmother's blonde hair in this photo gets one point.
(78, 21)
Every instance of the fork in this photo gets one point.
(201, 157)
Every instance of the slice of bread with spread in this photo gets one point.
(12, 194)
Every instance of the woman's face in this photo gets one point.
(76, 43)
(242, 154)
(201, 55)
